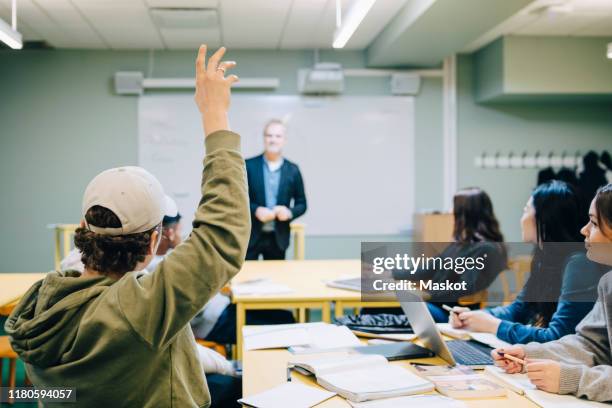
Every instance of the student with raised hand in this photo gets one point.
(578, 364)
(562, 286)
(122, 338)
(476, 234)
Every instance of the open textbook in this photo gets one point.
(520, 384)
(362, 377)
(489, 339)
(302, 337)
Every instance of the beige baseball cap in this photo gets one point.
(132, 193)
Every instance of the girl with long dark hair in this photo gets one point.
(562, 286)
(476, 234)
(578, 364)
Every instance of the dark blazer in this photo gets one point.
(291, 188)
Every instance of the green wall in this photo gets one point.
(519, 127)
(527, 68)
(61, 124)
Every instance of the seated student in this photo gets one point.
(581, 363)
(562, 286)
(224, 384)
(476, 234)
(120, 337)
(170, 234)
(217, 319)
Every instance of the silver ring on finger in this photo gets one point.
(220, 68)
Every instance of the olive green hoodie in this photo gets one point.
(128, 343)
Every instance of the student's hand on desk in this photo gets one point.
(453, 318)
(212, 93)
(478, 321)
(264, 214)
(511, 367)
(282, 213)
(544, 374)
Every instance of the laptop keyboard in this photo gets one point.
(470, 353)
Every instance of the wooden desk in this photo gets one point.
(264, 369)
(307, 280)
(13, 286)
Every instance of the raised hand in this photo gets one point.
(212, 95)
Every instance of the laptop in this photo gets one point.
(464, 352)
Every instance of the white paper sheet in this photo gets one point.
(486, 338)
(291, 394)
(413, 401)
(260, 287)
(280, 338)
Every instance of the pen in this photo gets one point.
(448, 309)
(511, 358)
(289, 368)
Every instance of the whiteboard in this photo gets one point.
(356, 154)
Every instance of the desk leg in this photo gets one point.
(301, 315)
(326, 312)
(339, 311)
(57, 256)
(240, 322)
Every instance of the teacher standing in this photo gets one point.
(276, 193)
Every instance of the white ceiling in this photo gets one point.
(128, 24)
(580, 18)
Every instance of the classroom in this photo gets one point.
(306, 203)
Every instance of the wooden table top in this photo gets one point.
(306, 279)
(265, 369)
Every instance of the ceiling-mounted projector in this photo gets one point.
(324, 78)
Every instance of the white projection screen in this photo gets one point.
(356, 154)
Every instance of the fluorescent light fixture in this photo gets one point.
(10, 37)
(8, 33)
(353, 18)
(610, 50)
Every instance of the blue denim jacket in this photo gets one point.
(578, 294)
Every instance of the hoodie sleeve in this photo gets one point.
(160, 304)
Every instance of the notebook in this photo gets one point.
(437, 370)
(468, 386)
(460, 382)
(520, 384)
(324, 336)
(489, 339)
(363, 377)
(304, 337)
(287, 395)
(385, 336)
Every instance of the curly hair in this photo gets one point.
(109, 254)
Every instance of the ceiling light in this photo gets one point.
(353, 18)
(9, 34)
(610, 50)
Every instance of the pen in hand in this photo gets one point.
(511, 358)
(449, 309)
